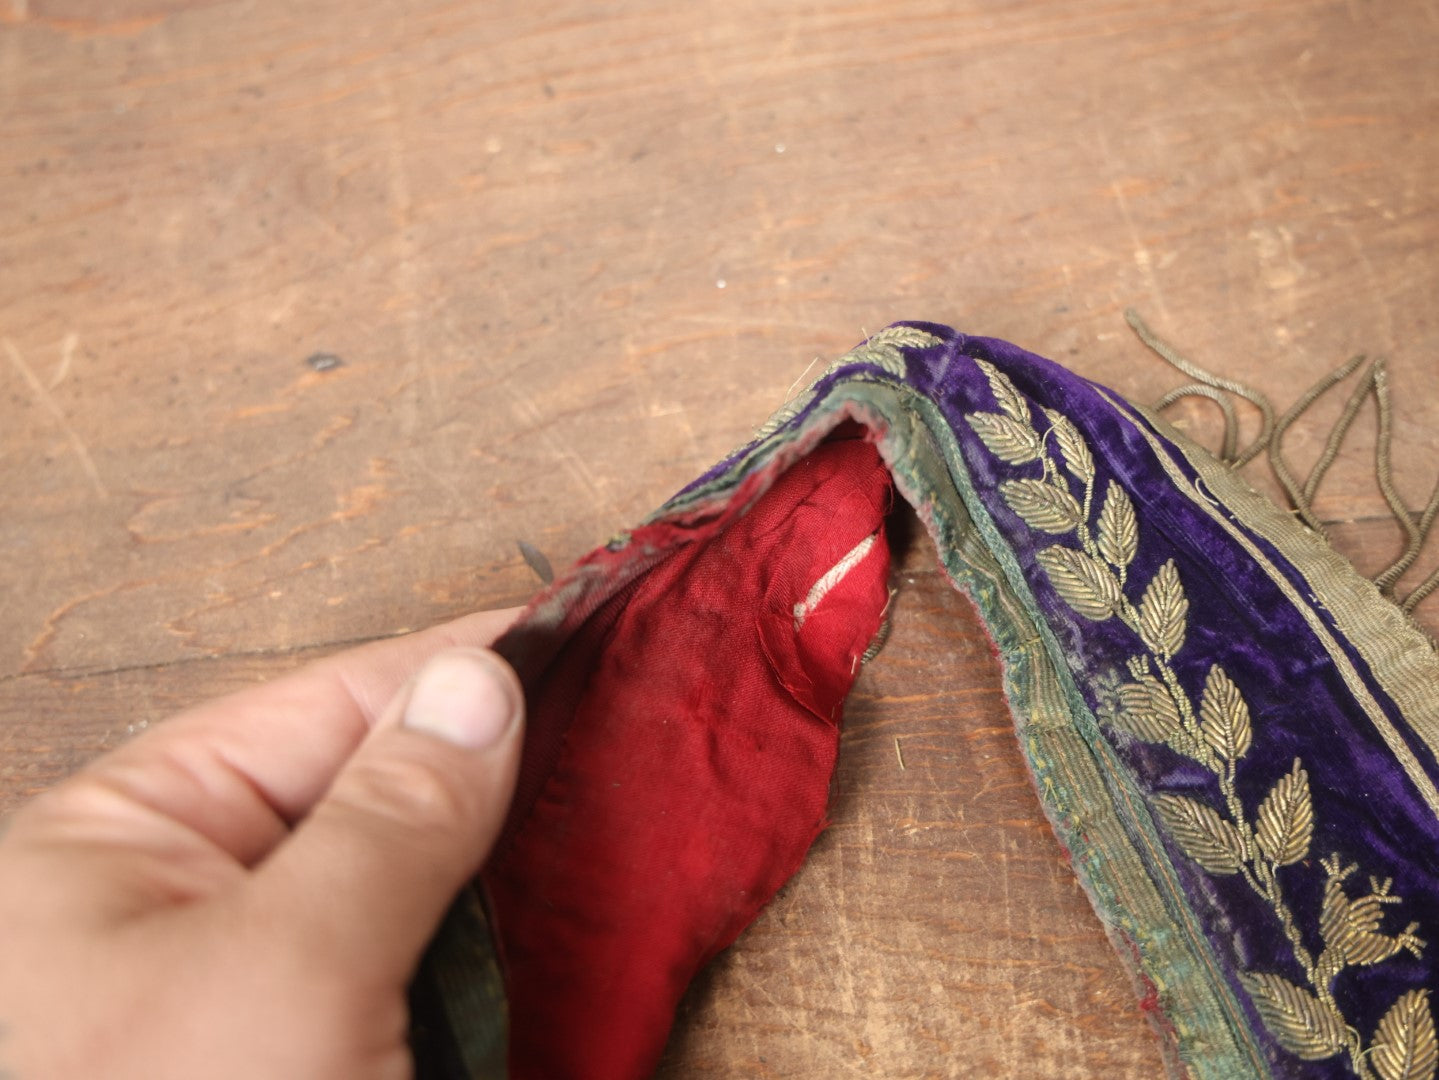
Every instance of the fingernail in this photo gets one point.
(463, 698)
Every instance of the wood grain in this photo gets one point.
(568, 255)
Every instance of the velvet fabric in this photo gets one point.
(1230, 728)
(1366, 810)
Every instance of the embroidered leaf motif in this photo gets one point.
(1224, 717)
(1118, 529)
(1072, 447)
(909, 337)
(1217, 732)
(1007, 438)
(1212, 842)
(1286, 818)
(1405, 1047)
(883, 356)
(1163, 611)
(1336, 915)
(1303, 1025)
(1350, 925)
(1043, 506)
(881, 350)
(1085, 583)
(1011, 402)
(1148, 710)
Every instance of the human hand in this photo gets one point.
(246, 889)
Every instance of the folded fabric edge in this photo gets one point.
(1098, 814)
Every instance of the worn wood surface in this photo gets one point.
(567, 254)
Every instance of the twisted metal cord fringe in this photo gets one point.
(1385, 580)
(1431, 510)
(1427, 586)
(1231, 421)
(1297, 498)
(1337, 434)
(1375, 381)
(1416, 544)
(1208, 378)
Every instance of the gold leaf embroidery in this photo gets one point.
(1084, 582)
(1148, 710)
(1350, 925)
(1008, 439)
(1224, 717)
(1212, 842)
(1010, 401)
(880, 355)
(1042, 505)
(1155, 707)
(1286, 818)
(1163, 611)
(1118, 528)
(1072, 447)
(1300, 1021)
(908, 337)
(1405, 1047)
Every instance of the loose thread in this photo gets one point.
(886, 624)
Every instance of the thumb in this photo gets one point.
(366, 878)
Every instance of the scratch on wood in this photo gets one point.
(51, 625)
(1143, 257)
(408, 252)
(525, 409)
(43, 396)
(898, 753)
(19, 12)
(67, 356)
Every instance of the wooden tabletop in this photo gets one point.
(308, 312)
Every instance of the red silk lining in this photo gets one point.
(678, 765)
